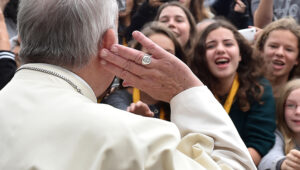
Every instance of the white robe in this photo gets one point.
(46, 124)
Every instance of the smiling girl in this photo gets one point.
(279, 45)
(224, 62)
(285, 154)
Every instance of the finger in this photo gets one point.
(119, 72)
(128, 53)
(131, 107)
(123, 63)
(296, 153)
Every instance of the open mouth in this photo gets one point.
(221, 61)
(278, 62)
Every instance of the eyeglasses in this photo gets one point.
(291, 106)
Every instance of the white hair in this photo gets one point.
(63, 32)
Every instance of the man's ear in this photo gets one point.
(108, 39)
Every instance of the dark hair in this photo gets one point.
(249, 69)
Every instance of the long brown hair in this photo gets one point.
(282, 126)
(198, 10)
(249, 69)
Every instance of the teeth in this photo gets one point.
(222, 61)
(278, 62)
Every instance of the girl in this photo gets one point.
(179, 19)
(285, 154)
(224, 62)
(279, 45)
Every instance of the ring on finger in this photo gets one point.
(146, 59)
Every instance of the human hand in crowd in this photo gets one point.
(292, 160)
(257, 33)
(155, 3)
(163, 78)
(140, 108)
(239, 6)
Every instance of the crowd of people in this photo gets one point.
(173, 85)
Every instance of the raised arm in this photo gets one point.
(263, 14)
(209, 136)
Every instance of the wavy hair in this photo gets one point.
(287, 23)
(249, 69)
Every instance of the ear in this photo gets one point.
(108, 39)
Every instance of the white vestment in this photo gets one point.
(46, 124)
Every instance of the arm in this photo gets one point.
(263, 13)
(202, 121)
(7, 67)
(276, 154)
(206, 116)
(260, 124)
(7, 59)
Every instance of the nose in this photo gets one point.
(297, 111)
(171, 23)
(280, 51)
(220, 48)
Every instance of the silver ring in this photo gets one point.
(146, 59)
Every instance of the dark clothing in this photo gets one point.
(143, 15)
(7, 67)
(121, 99)
(225, 8)
(256, 126)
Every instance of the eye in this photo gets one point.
(228, 44)
(164, 20)
(210, 46)
(291, 106)
(289, 49)
(272, 46)
(179, 20)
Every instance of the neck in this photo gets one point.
(277, 83)
(223, 86)
(91, 74)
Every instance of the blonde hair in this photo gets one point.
(287, 23)
(280, 112)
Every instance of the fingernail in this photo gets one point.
(114, 49)
(103, 62)
(104, 53)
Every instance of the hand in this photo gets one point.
(162, 79)
(140, 108)
(292, 160)
(257, 33)
(239, 7)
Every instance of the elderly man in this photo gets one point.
(49, 118)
